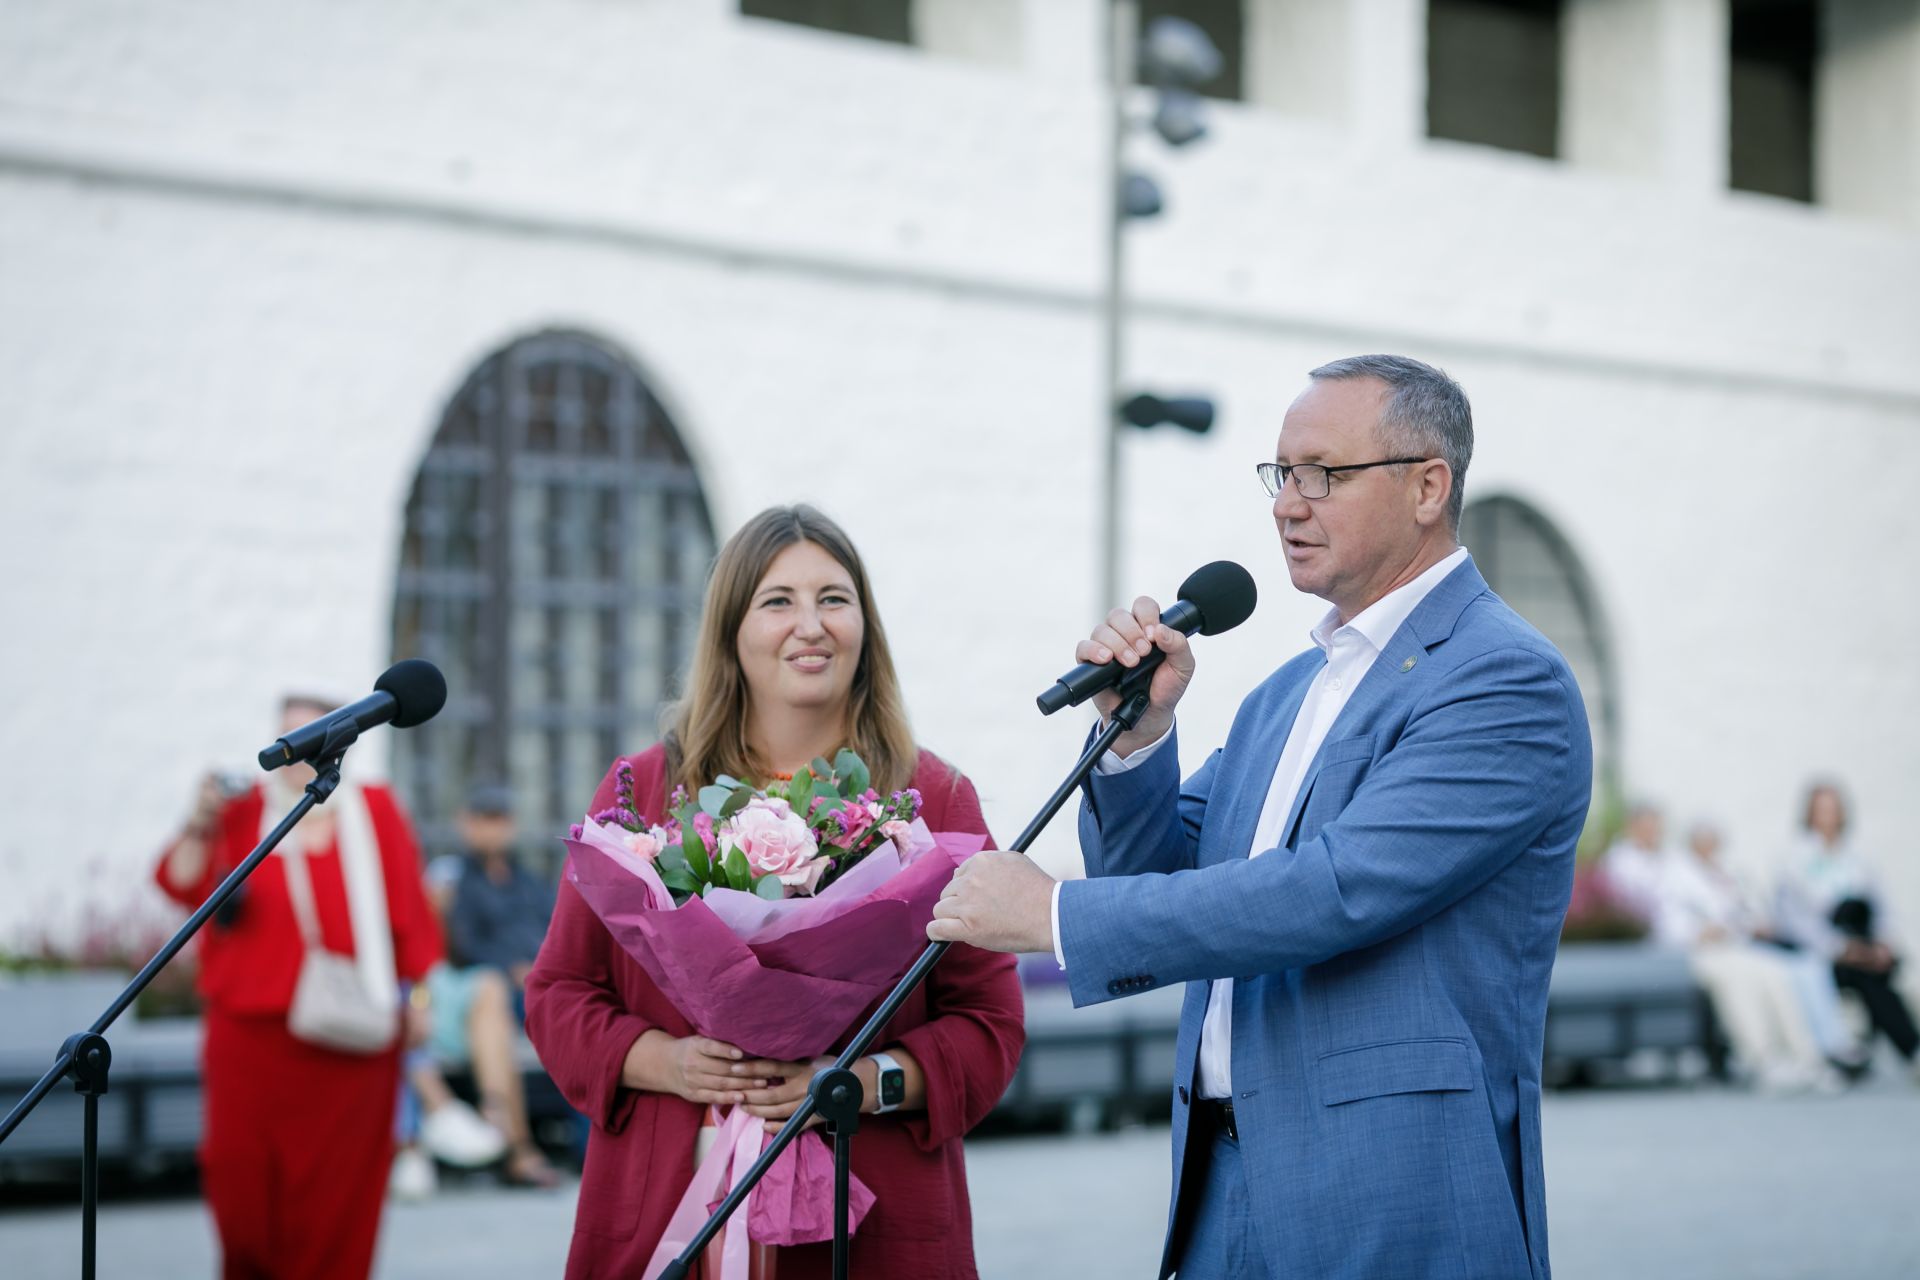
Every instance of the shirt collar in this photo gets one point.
(1378, 621)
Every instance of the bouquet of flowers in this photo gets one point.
(772, 917)
(793, 837)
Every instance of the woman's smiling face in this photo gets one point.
(799, 643)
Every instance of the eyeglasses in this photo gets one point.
(1315, 481)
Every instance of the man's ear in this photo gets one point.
(1436, 488)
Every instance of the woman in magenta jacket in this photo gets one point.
(791, 664)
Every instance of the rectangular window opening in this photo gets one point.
(1493, 73)
(889, 20)
(1774, 45)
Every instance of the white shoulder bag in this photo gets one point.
(331, 1004)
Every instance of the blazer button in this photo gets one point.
(1115, 987)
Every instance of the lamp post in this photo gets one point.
(1174, 58)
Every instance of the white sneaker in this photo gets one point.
(1827, 1082)
(456, 1134)
(413, 1177)
(1778, 1079)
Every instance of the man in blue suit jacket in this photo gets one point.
(1363, 889)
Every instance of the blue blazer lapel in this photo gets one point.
(1254, 778)
(1431, 622)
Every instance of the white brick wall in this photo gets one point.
(247, 252)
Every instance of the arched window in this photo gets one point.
(556, 550)
(1530, 566)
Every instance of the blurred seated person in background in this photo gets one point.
(499, 911)
(1830, 905)
(495, 912)
(1780, 1011)
(1632, 867)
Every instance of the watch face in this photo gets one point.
(893, 1087)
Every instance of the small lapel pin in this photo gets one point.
(1408, 664)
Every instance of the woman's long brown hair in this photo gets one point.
(708, 726)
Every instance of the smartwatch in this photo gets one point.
(893, 1083)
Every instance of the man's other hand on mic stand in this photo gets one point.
(1003, 902)
(996, 901)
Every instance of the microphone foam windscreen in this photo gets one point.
(1223, 592)
(418, 689)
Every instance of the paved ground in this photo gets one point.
(1671, 1183)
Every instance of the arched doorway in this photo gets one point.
(556, 550)
(1527, 561)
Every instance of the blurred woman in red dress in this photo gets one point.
(791, 664)
(298, 1138)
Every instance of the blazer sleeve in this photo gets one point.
(1472, 783)
(575, 1016)
(1145, 819)
(976, 1025)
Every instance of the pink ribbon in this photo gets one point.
(793, 1204)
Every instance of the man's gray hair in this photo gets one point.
(1426, 414)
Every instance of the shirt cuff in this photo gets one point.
(1059, 956)
(1111, 763)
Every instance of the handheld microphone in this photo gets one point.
(1214, 598)
(408, 693)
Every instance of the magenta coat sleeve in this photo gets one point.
(577, 1017)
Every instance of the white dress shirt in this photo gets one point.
(1350, 651)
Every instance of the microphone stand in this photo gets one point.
(86, 1056)
(836, 1093)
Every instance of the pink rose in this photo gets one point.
(774, 839)
(899, 832)
(854, 819)
(646, 844)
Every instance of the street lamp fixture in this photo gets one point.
(1189, 413)
(1140, 196)
(1177, 54)
(1178, 118)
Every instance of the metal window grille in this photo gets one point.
(555, 556)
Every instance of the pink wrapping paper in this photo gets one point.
(783, 980)
(792, 1205)
(805, 970)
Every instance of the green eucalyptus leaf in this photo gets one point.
(800, 792)
(770, 888)
(821, 769)
(712, 799)
(672, 857)
(695, 851)
(739, 800)
(739, 874)
(854, 770)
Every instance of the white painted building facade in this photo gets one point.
(249, 252)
